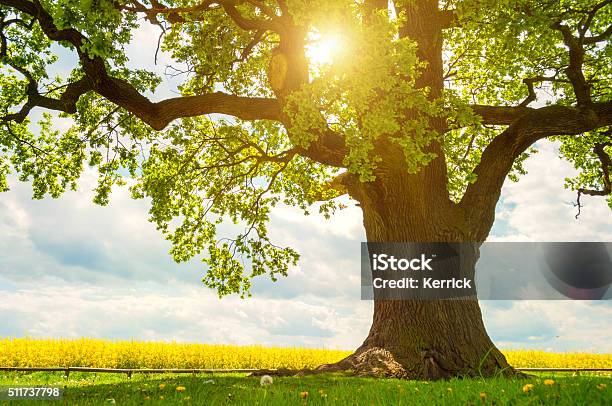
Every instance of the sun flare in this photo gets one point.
(323, 48)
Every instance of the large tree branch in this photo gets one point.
(175, 14)
(589, 19)
(530, 82)
(122, 93)
(497, 159)
(66, 102)
(448, 19)
(500, 115)
(574, 73)
(599, 37)
(606, 165)
(159, 114)
(328, 149)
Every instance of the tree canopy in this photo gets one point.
(469, 85)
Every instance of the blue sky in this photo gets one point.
(69, 268)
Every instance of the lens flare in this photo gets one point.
(323, 48)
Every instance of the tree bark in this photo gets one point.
(426, 339)
(420, 339)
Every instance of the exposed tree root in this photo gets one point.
(378, 362)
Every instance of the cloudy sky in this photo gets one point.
(69, 268)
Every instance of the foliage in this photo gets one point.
(581, 153)
(497, 46)
(381, 94)
(366, 95)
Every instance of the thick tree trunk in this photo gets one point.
(420, 339)
(426, 339)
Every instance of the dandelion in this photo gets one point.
(528, 388)
(601, 386)
(483, 396)
(180, 389)
(162, 385)
(549, 382)
(303, 395)
(449, 389)
(266, 380)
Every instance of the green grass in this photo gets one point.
(95, 389)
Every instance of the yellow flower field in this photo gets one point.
(86, 352)
(543, 359)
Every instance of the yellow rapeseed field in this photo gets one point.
(87, 352)
(544, 359)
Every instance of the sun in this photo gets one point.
(322, 48)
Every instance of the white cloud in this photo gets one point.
(105, 272)
(557, 325)
(538, 208)
(140, 293)
(345, 224)
(69, 268)
(177, 312)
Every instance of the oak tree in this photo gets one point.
(420, 115)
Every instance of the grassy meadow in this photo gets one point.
(221, 389)
(226, 389)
